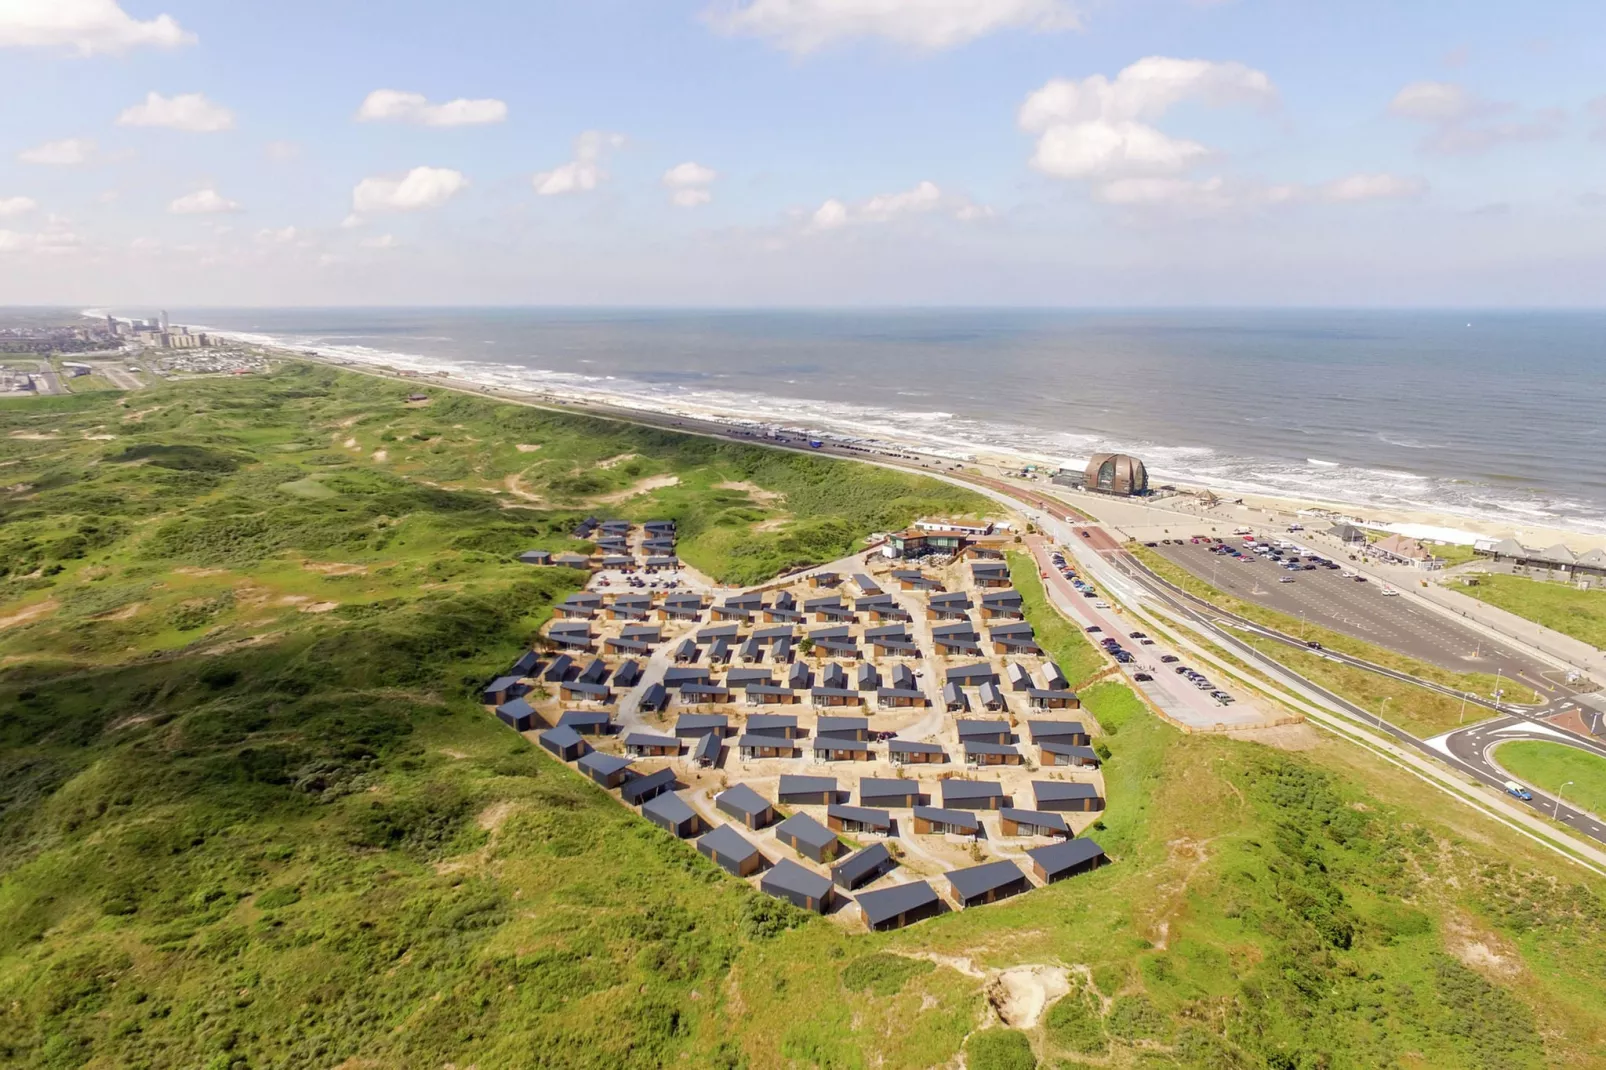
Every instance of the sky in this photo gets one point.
(724, 153)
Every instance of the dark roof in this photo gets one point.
(570, 718)
(742, 799)
(912, 746)
(707, 747)
(649, 739)
(1058, 857)
(767, 690)
(1035, 817)
(725, 840)
(655, 696)
(1042, 730)
(760, 723)
(1062, 789)
(701, 720)
(705, 693)
(669, 806)
(962, 818)
(787, 875)
(872, 858)
(516, 708)
(971, 789)
(982, 671)
(1073, 750)
(899, 692)
(740, 677)
(839, 631)
(978, 880)
(605, 764)
(583, 688)
(751, 740)
(888, 903)
(681, 675)
(806, 831)
(632, 790)
(831, 726)
(792, 784)
(838, 743)
(885, 631)
(501, 683)
(882, 786)
(973, 727)
(973, 746)
(961, 630)
(866, 814)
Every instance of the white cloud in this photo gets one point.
(1372, 187)
(206, 201)
(688, 184)
(805, 25)
(884, 208)
(55, 238)
(63, 153)
(10, 206)
(397, 106)
(1461, 122)
(187, 111)
(1101, 128)
(352, 222)
(282, 151)
(380, 241)
(87, 27)
(277, 235)
(422, 187)
(582, 174)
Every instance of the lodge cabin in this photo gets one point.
(887, 792)
(829, 749)
(1057, 861)
(972, 795)
(989, 882)
(654, 699)
(803, 888)
(1065, 795)
(1058, 731)
(752, 746)
(774, 724)
(586, 722)
(745, 805)
(1040, 699)
(500, 690)
(686, 676)
(671, 813)
(992, 699)
(637, 790)
(705, 694)
(898, 906)
(843, 727)
(953, 699)
(517, 714)
(799, 677)
(738, 679)
(820, 580)
(858, 819)
(983, 731)
(834, 676)
(837, 648)
(867, 678)
(931, 821)
(692, 725)
(971, 675)
(529, 664)
(900, 697)
(580, 691)
(628, 674)
(728, 633)
(536, 557)
(623, 645)
(808, 838)
(865, 866)
(1016, 822)
(647, 745)
(1067, 754)
(915, 752)
(686, 652)
(595, 672)
(992, 754)
(730, 851)
(605, 770)
(989, 574)
(806, 790)
(770, 695)
(562, 668)
(705, 752)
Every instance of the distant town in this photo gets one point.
(112, 354)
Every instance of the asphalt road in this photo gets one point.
(1326, 598)
(1476, 746)
(1461, 750)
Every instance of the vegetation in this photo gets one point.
(238, 833)
(1580, 614)
(1483, 683)
(1062, 640)
(1548, 766)
(1452, 554)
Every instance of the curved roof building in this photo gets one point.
(1116, 473)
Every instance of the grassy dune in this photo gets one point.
(1549, 766)
(237, 833)
(1580, 614)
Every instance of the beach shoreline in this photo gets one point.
(845, 438)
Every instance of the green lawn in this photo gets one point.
(1547, 766)
(237, 834)
(1452, 554)
(1580, 614)
(1060, 639)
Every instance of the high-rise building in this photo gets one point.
(164, 321)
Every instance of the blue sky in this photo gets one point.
(786, 152)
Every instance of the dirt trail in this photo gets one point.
(614, 462)
(641, 486)
(515, 486)
(28, 613)
(753, 490)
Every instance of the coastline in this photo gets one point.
(683, 415)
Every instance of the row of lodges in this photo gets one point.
(659, 802)
(1556, 558)
(611, 539)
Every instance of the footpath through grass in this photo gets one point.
(1580, 614)
(1478, 682)
(1063, 641)
(1548, 766)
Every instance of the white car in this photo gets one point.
(1101, 604)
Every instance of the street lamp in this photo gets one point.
(1464, 696)
(1380, 710)
(1556, 810)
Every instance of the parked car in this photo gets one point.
(1142, 677)
(1169, 659)
(1514, 788)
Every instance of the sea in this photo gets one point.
(1498, 416)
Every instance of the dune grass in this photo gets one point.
(1060, 639)
(1549, 766)
(1580, 614)
(237, 834)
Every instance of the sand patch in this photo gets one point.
(450, 753)
(34, 436)
(320, 607)
(527, 447)
(136, 417)
(381, 456)
(515, 486)
(614, 462)
(125, 613)
(1481, 951)
(775, 524)
(1292, 737)
(33, 612)
(191, 570)
(491, 818)
(100, 438)
(334, 568)
(639, 487)
(351, 444)
(348, 422)
(1020, 994)
(752, 490)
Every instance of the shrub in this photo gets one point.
(999, 1049)
(883, 974)
(1072, 1024)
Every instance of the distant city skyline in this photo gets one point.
(803, 152)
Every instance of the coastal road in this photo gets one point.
(1478, 745)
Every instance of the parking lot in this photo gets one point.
(1329, 598)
